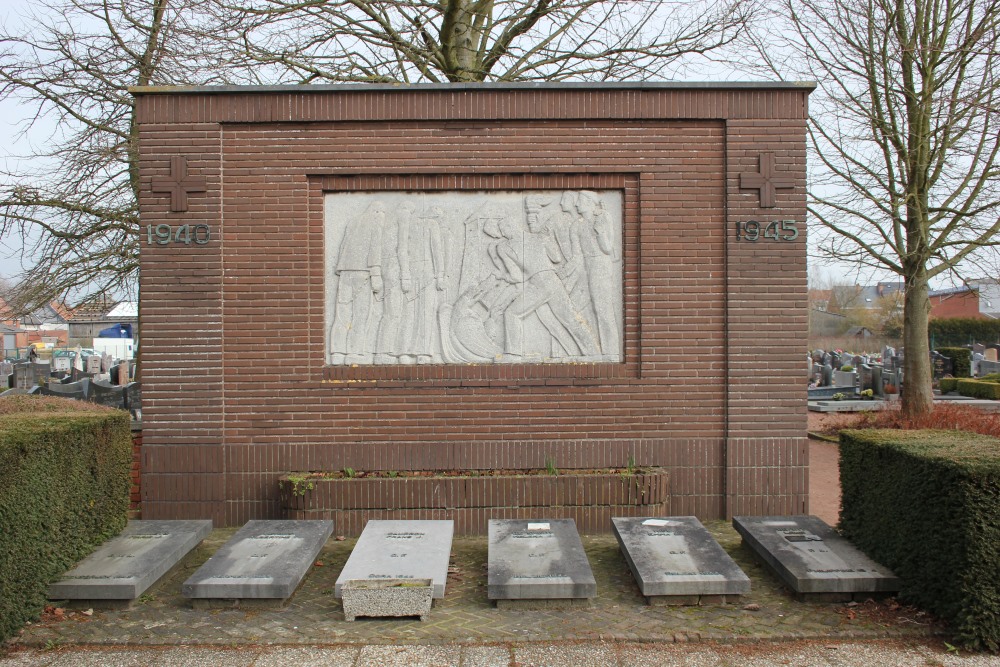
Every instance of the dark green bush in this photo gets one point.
(64, 489)
(927, 505)
(979, 389)
(961, 359)
(958, 331)
(947, 385)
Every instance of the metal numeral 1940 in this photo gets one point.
(753, 231)
(164, 234)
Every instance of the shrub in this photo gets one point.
(64, 489)
(963, 331)
(961, 359)
(947, 385)
(926, 504)
(979, 389)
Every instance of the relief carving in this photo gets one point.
(474, 277)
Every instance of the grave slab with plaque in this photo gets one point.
(812, 559)
(401, 550)
(676, 560)
(124, 567)
(264, 562)
(539, 559)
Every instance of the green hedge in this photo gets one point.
(959, 331)
(927, 505)
(64, 489)
(961, 359)
(947, 385)
(979, 389)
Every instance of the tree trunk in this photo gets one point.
(918, 397)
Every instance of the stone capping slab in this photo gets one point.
(810, 557)
(387, 597)
(537, 559)
(400, 549)
(677, 557)
(263, 560)
(124, 567)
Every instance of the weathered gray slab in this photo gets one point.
(126, 566)
(677, 556)
(810, 557)
(263, 560)
(401, 550)
(537, 559)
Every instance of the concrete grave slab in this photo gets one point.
(676, 560)
(124, 567)
(263, 561)
(541, 559)
(812, 559)
(399, 549)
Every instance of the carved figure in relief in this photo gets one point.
(530, 260)
(598, 251)
(422, 268)
(388, 338)
(359, 284)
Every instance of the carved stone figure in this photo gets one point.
(359, 273)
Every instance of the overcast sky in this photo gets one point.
(12, 114)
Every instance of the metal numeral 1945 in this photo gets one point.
(164, 234)
(753, 231)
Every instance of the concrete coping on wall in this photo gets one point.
(473, 87)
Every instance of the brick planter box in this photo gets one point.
(589, 497)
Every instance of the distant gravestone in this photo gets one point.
(857, 361)
(93, 364)
(878, 386)
(677, 561)
(990, 354)
(978, 348)
(401, 550)
(107, 395)
(24, 376)
(133, 399)
(835, 361)
(124, 567)
(827, 359)
(76, 374)
(941, 366)
(61, 364)
(989, 367)
(812, 559)
(865, 377)
(74, 390)
(826, 379)
(537, 560)
(264, 562)
(106, 363)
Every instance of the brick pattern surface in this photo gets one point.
(236, 387)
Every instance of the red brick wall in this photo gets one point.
(963, 304)
(712, 386)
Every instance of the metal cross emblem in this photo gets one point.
(178, 184)
(766, 181)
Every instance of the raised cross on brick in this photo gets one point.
(179, 184)
(766, 182)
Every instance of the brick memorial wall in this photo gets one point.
(686, 348)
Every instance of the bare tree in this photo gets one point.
(905, 138)
(483, 40)
(74, 201)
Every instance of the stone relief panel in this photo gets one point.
(473, 277)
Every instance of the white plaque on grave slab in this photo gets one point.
(473, 277)
(401, 550)
(527, 562)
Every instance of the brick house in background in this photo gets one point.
(978, 299)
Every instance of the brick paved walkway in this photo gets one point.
(465, 616)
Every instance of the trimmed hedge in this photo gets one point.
(958, 331)
(961, 359)
(927, 505)
(64, 489)
(979, 389)
(947, 385)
